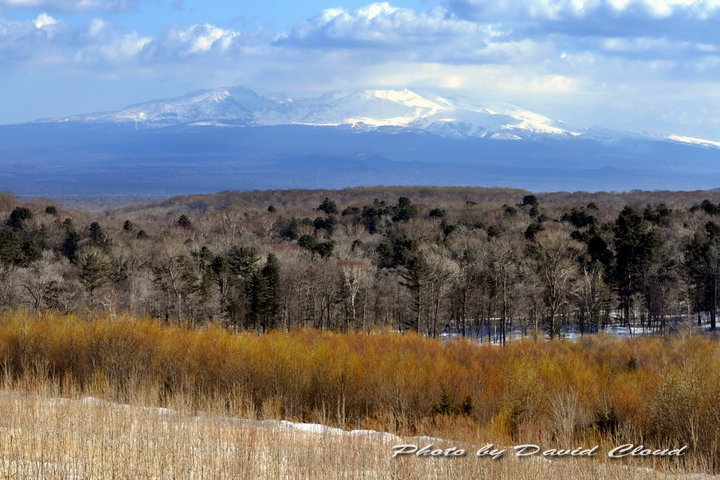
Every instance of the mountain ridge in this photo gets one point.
(233, 138)
(361, 109)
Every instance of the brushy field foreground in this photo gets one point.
(51, 438)
(663, 393)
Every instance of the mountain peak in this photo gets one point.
(366, 109)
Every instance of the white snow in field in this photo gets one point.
(310, 428)
(382, 436)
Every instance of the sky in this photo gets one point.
(638, 65)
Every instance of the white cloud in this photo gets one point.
(378, 24)
(31, 40)
(199, 39)
(97, 27)
(101, 42)
(564, 9)
(655, 48)
(43, 20)
(118, 50)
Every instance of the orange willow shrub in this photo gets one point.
(663, 390)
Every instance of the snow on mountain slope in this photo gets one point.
(237, 103)
(375, 108)
(361, 109)
(695, 141)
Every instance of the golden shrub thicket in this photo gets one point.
(652, 390)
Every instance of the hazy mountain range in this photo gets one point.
(233, 138)
(360, 109)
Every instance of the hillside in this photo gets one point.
(308, 199)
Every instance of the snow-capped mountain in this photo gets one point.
(359, 109)
(340, 139)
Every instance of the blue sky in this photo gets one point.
(643, 65)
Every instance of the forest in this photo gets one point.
(489, 263)
(326, 306)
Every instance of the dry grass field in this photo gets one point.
(87, 397)
(45, 437)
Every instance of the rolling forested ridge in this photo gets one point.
(482, 262)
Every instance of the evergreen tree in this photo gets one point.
(414, 278)
(265, 295)
(599, 252)
(97, 237)
(21, 247)
(242, 261)
(637, 245)
(271, 274)
(18, 217)
(325, 249)
(533, 230)
(70, 245)
(328, 224)
(350, 211)
(371, 216)
(530, 200)
(404, 210)
(702, 264)
(397, 250)
(10, 248)
(185, 222)
(239, 267)
(31, 252)
(95, 270)
(309, 242)
(328, 206)
(258, 299)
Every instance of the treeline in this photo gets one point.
(661, 392)
(451, 264)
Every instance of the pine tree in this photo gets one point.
(265, 295)
(242, 261)
(18, 217)
(637, 245)
(184, 222)
(404, 210)
(415, 276)
(98, 238)
(95, 270)
(70, 245)
(271, 274)
(702, 264)
(10, 248)
(328, 206)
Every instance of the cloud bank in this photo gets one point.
(625, 61)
